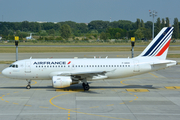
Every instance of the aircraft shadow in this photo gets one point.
(125, 87)
(73, 87)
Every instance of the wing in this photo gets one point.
(86, 74)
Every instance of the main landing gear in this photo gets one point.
(85, 86)
(29, 84)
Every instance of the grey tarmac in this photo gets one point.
(151, 96)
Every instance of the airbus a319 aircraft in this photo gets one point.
(65, 72)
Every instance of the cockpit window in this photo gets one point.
(13, 66)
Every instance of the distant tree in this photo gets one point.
(139, 34)
(148, 25)
(176, 28)
(98, 25)
(43, 33)
(167, 22)
(163, 23)
(25, 26)
(51, 32)
(158, 26)
(112, 32)
(57, 26)
(65, 31)
(118, 35)
(142, 23)
(138, 24)
(103, 36)
(147, 33)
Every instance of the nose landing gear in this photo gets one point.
(29, 84)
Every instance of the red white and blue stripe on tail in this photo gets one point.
(160, 44)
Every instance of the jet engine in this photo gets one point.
(61, 81)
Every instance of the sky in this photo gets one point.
(85, 11)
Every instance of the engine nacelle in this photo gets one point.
(61, 81)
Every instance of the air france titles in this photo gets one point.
(50, 63)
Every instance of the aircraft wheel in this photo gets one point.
(28, 87)
(83, 84)
(86, 87)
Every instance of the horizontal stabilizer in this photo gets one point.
(164, 62)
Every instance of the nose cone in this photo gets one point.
(5, 72)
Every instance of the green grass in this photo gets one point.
(6, 62)
(72, 49)
(83, 43)
(65, 49)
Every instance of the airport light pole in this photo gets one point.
(132, 44)
(16, 44)
(153, 14)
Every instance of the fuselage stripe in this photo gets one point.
(164, 48)
(162, 43)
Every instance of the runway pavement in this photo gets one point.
(152, 96)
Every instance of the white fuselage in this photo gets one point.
(47, 68)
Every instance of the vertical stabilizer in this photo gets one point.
(159, 45)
